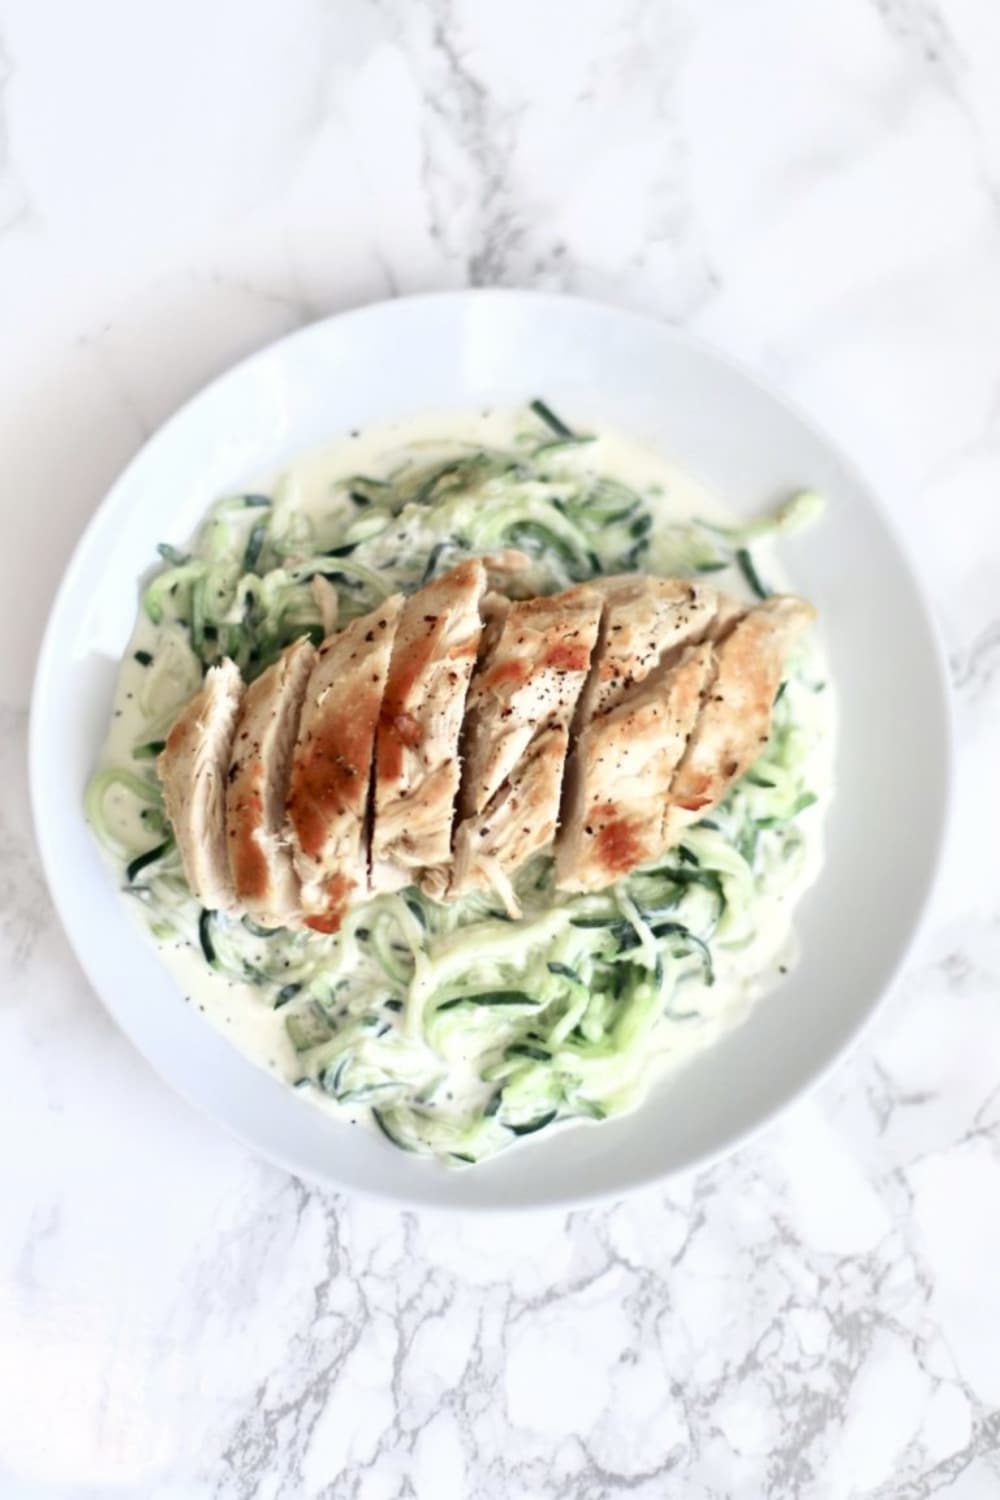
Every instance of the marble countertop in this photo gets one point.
(815, 187)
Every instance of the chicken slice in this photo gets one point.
(616, 795)
(519, 821)
(332, 765)
(645, 620)
(735, 720)
(521, 703)
(260, 861)
(728, 611)
(192, 769)
(417, 763)
(529, 677)
(631, 725)
(667, 752)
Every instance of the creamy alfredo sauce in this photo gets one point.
(763, 948)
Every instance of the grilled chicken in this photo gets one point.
(665, 753)
(331, 766)
(727, 611)
(616, 799)
(735, 718)
(260, 862)
(447, 739)
(631, 726)
(644, 621)
(520, 706)
(192, 769)
(417, 764)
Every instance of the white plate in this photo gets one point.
(467, 349)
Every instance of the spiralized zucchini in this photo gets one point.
(459, 1029)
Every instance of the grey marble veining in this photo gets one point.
(817, 188)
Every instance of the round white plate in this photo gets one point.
(471, 349)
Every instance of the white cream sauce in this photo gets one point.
(308, 488)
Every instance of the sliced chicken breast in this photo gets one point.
(646, 619)
(518, 822)
(521, 703)
(260, 861)
(616, 796)
(669, 751)
(735, 720)
(332, 766)
(192, 768)
(728, 611)
(417, 761)
(631, 726)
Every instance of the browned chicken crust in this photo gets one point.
(735, 720)
(260, 860)
(331, 766)
(417, 759)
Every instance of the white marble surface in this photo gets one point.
(815, 186)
